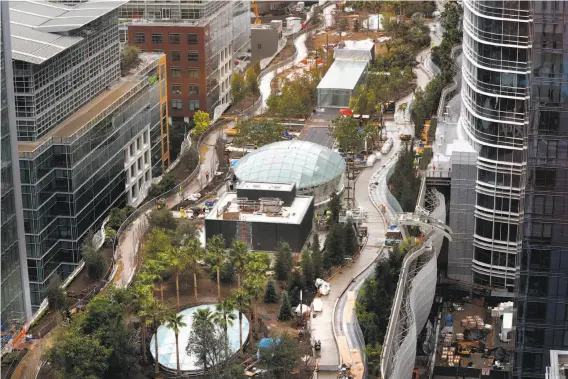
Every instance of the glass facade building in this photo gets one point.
(515, 114)
(15, 298)
(91, 135)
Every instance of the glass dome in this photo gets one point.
(305, 163)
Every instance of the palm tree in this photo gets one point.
(177, 260)
(141, 300)
(239, 253)
(225, 317)
(216, 254)
(254, 285)
(157, 312)
(203, 319)
(154, 268)
(175, 322)
(194, 254)
(241, 299)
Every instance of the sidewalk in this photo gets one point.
(131, 237)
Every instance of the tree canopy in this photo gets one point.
(297, 98)
(202, 122)
(346, 132)
(258, 132)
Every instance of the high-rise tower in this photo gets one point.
(15, 299)
(515, 114)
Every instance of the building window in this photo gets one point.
(145, 137)
(194, 105)
(176, 55)
(132, 172)
(132, 149)
(146, 157)
(176, 89)
(147, 176)
(175, 39)
(176, 72)
(177, 105)
(138, 143)
(193, 56)
(192, 39)
(259, 46)
(193, 89)
(139, 37)
(133, 192)
(157, 38)
(193, 73)
(158, 51)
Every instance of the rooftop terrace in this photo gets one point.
(232, 208)
(99, 107)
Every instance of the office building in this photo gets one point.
(90, 136)
(262, 214)
(515, 115)
(201, 41)
(15, 297)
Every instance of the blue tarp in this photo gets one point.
(266, 343)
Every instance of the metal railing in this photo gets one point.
(451, 89)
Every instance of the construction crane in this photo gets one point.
(257, 21)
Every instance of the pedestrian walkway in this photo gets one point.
(131, 238)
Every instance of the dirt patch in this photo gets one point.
(331, 37)
(185, 167)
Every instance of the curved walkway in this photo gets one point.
(350, 342)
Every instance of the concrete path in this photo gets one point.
(131, 238)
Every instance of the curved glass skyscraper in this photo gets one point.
(494, 117)
(515, 114)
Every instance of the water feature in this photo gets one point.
(188, 363)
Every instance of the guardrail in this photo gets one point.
(413, 299)
(451, 88)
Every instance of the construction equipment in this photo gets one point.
(257, 21)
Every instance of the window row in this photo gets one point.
(177, 105)
(192, 55)
(496, 230)
(192, 72)
(173, 38)
(192, 89)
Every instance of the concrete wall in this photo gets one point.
(462, 208)
(264, 43)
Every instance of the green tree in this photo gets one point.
(307, 267)
(157, 242)
(157, 312)
(252, 81)
(283, 357)
(106, 318)
(335, 206)
(110, 235)
(254, 285)
(202, 123)
(177, 260)
(185, 230)
(141, 300)
(94, 260)
(270, 295)
(156, 268)
(217, 254)
(226, 272)
(128, 58)
(317, 259)
(351, 239)
(207, 343)
(284, 261)
(239, 88)
(258, 132)
(238, 254)
(175, 322)
(77, 356)
(345, 130)
(241, 300)
(162, 219)
(224, 316)
(334, 246)
(56, 295)
(285, 308)
(194, 254)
